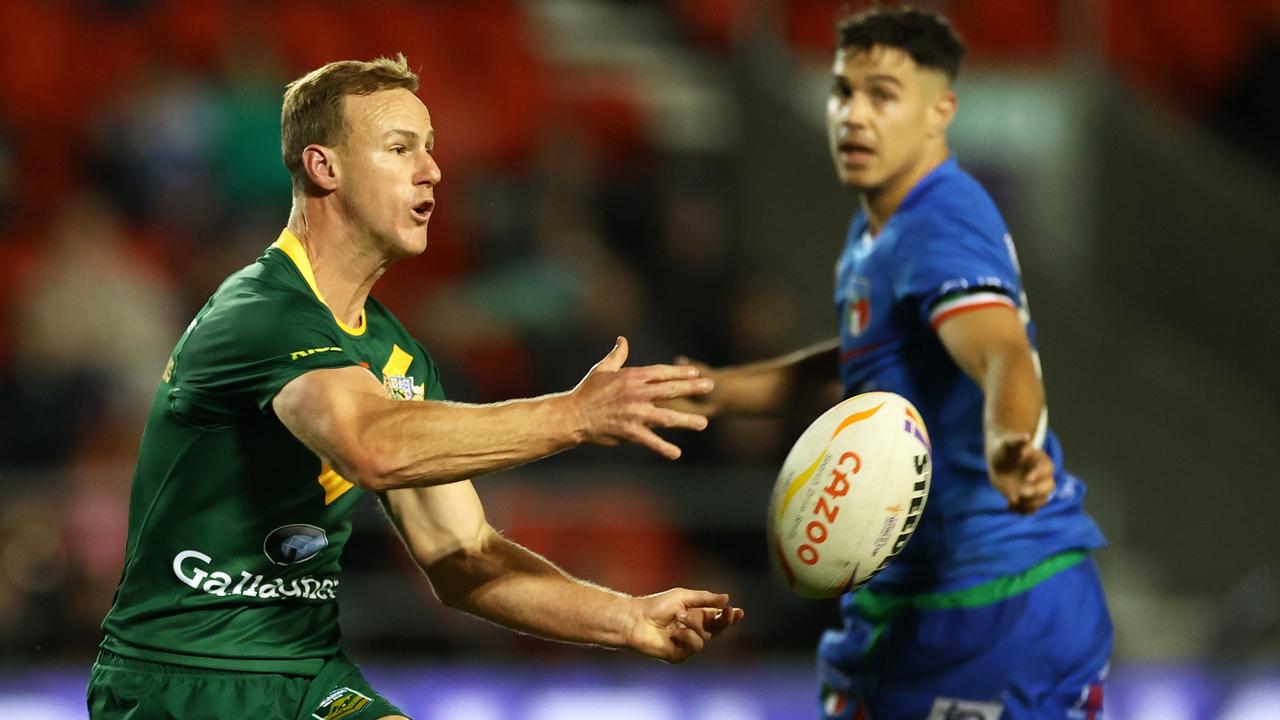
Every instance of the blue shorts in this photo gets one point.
(1034, 645)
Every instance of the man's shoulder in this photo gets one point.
(952, 197)
(263, 291)
(954, 211)
(259, 308)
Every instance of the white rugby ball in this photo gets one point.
(850, 494)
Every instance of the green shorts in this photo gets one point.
(121, 688)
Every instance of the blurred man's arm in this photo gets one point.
(992, 348)
(799, 383)
(474, 569)
(346, 418)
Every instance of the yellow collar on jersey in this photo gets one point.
(292, 246)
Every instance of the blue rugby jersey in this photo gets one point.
(946, 250)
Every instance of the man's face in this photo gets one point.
(882, 112)
(388, 174)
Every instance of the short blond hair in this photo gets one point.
(312, 110)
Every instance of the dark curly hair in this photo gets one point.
(927, 37)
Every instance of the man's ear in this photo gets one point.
(943, 111)
(321, 166)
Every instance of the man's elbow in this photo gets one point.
(379, 468)
(365, 468)
(378, 473)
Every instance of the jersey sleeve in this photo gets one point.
(947, 265)
(432, 387)
(242, 350)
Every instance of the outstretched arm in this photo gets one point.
(992, 348)
(346, 418)
(473, 568)
(800, 382)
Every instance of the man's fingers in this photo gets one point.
(688, 640)
(646, 437)
(672, 389)
(1034, 486)
(696, 620)
(702, 599)
(717, 621)
(676, 419)
(616, 358)
(659, 373)
(1029, 502)
(1038, 475)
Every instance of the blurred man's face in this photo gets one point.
(388, 174)
(883, 111)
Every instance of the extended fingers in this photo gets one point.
(725, 619)
(709, 622)
(696, 620)
(660, 373)
(646, 437)
(672, 389)
(675, 419)
(701, 599)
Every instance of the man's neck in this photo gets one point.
(345, 268)
(880, 204)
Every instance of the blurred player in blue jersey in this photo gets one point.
(994, 609)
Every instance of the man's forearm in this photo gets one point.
(417, 444)
(785, 385)
(510, 585)
(1014, 396)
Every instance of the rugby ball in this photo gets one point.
(850, 494)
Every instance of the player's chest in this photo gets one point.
(864, 297)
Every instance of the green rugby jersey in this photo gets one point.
(236, 529)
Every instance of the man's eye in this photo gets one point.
(399, 149)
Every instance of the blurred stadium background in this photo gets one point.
(654, 169)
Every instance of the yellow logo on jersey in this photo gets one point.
(341, 703)
(398, 384)
(312, 351)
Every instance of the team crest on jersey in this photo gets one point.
(858, 306)
(396, 378)
(400, 387)
(341, 703)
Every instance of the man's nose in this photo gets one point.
(855, 110)
(429, 172)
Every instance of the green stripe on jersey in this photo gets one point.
(881, 606)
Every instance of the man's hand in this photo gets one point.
(799, 384)
(1022, 472)
(673, 626)
(706, 404)
(614, 404)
